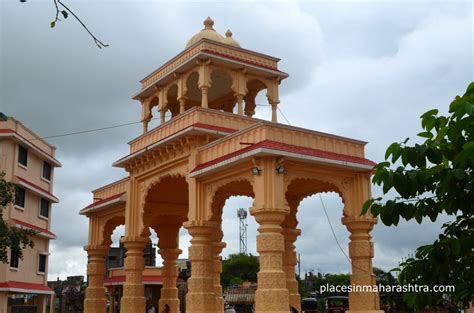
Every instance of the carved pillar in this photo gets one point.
(239, 87)
(133, 299)
(204, 100)
(217, 247)
(250, 107)
(361, 252)
(168, 234)
(273, 98)
(146, 114)
(274, 105)
(94, 301)
(162, 115)
(289, 263)
(240, 104)
(204, 82)
(169, 292)
(200, 297)
(269, 210)
(182, 104)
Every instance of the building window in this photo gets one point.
(14, 260)
(44, 208)
(46, 171)
(20, 197)
(42, 263)
(22, 155)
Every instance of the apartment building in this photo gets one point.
(28, 161)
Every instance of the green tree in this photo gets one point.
(336, 280)
(11, 238)
(239, 268)
(432, 178)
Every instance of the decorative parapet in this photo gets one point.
(282, 134)
(213, 48)
(110, 190)
(196, 117)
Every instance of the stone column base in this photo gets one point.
(272, 301)
(219, 305)
(173, 304)
(94, 305)
(133, 304)
(295, 301)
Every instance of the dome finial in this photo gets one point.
(228, 33)
(208, 23)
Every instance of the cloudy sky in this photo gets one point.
(365, 70)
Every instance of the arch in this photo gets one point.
(233, 187)
(254, 86)
(109, 226)
(193, 93)
(171, 94)
(221, 95)
(175, 187)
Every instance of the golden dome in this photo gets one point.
(208, 32)
(229, 40)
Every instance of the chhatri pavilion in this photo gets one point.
(181, 172)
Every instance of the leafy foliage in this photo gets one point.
(434, 177)
(12, 238)
(239, 268)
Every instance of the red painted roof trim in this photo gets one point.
(7, 131)
(38, 187)
(269, 144)
(212, 127)
(99, 202)
(34, 227)
(25, 286)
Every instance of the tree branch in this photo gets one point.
(66, 13)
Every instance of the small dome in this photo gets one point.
(228, 40)
(208, 32)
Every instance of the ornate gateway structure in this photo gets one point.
(182, 172)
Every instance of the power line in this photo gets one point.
(279, 110)
(122, 125)
(332, 229)
(282, 114)
(89, 130)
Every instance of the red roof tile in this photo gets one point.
(26, 286)
(101, 201)
(287, 148)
